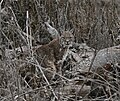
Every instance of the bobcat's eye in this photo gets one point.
(62, 38)
(71, 38)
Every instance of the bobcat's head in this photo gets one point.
(66, 39)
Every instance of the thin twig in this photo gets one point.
(0, 23)
(1, 2)
(27, 26)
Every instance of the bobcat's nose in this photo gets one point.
(67, 42)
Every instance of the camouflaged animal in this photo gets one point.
(48, 55)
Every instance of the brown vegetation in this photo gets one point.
(35, 66)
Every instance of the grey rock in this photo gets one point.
(105, 56)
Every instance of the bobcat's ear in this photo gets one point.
(72, 31)
(61, 32)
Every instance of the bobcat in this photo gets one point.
(48, 55)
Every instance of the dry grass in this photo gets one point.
(22, 78)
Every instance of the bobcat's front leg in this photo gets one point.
(52, 68)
